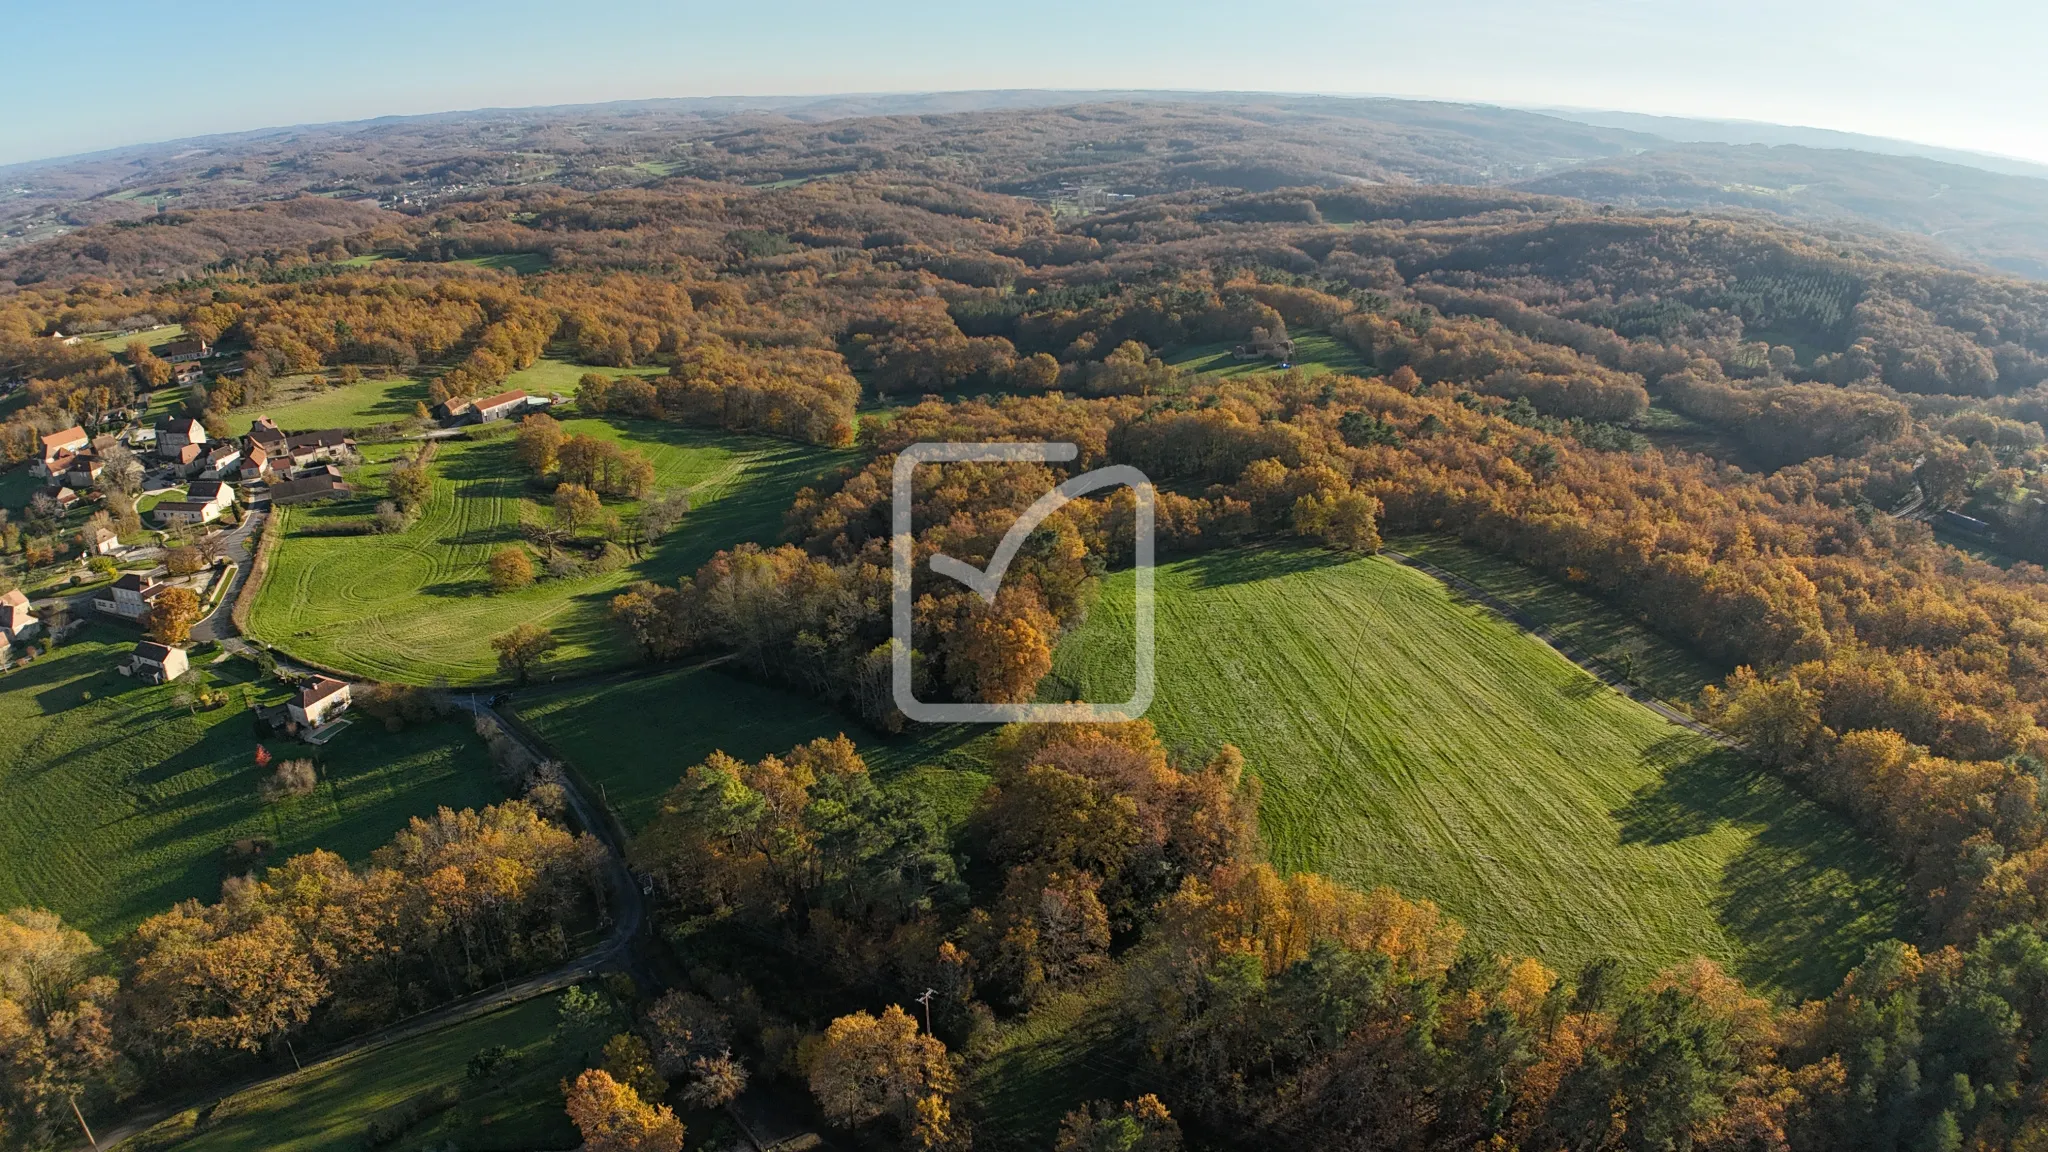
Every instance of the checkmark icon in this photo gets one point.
(987, 581)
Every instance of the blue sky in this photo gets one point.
(79, 77)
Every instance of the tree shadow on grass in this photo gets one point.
(505, 533)
(1244, 565)
(457, 589)
(1805, 897)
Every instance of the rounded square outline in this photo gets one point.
(900, 547)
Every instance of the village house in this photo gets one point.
(223, 461)
(178, 432)
(185, 351)
(17, 623)
(64, 496)
(502, 406)
(255, 465)
(128, 598)
(58, 448)
(453, 411)
(264, 434)
(320, 702)
(204, 503)
(186, 459)
(102, 542)
(189, 373)
(83, 470)
(154, 663)
(325, 484)
(306, 448)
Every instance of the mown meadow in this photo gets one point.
(118, 800)
(1407, 737)
(416, 606)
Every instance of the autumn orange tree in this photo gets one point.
(867, 1068)
(613, 1118)
(171, 615)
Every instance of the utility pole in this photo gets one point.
(89, 1138)
(926, 1000)
(295, 1056)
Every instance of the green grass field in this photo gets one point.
(416, 606)
(330, 1107)
(155, 338)
(1314, 354)
(523, 263)
(298, 405)
(632, 738)
(16, 486)
(552, 374)
(1407, 738)
(1669, 670)
(116, 801)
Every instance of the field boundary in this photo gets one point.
(259, 566)
(1598, 669)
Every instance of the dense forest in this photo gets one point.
(1743, 432)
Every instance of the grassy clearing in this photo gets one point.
(116, 801)
(1407, 738)
(331, 1106)
(417, 606)
(633, 738)
(1060, 1056)
(300, 404)
(550, 374)
(523, 263)
(1599, 629)
(117, 343)
(1314, 354)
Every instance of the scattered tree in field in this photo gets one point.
(662, 511)
(183, 560)
(511, 569)
(523, 647)
(291, 780)
(171, 616)
(410, 481)
(613, 1118)
(575, 506)
(603, 466)
(540, 441)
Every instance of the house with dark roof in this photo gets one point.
(176, 432)
(154, 663)
(128, 598)
(264, 434)
(223, 460)
(333, 444)
(319, 486)
(185, 351)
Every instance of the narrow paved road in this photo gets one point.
(240, 544)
